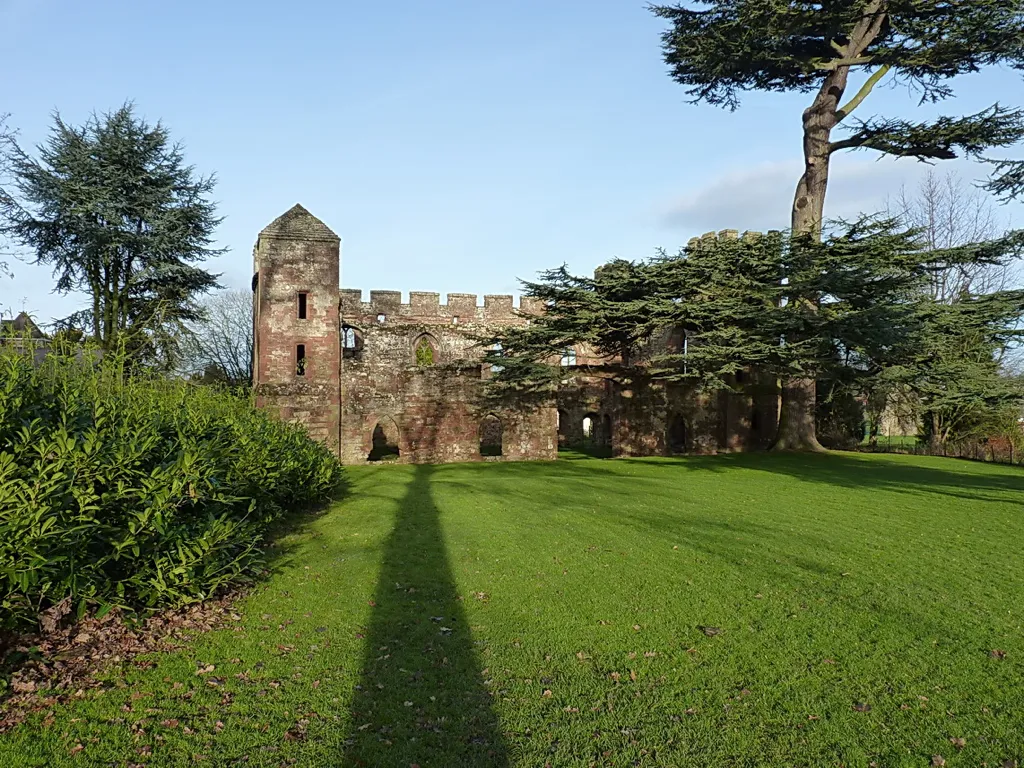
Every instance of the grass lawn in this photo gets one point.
(560, 614)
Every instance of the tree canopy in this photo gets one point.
(112, 207)
(719, 49)
(853, 307)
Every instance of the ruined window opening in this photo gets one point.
(381, 318)
(678, 437)
(490, 436)
(593, 430)
(455, 320)
(351, 343)
(255, 281)
(300, 360)
(302, 306)
(384, 441)
(563, 427)
(568, 357)
(426, 352)
(496, 350)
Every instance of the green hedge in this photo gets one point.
(136, 491)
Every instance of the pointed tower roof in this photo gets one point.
(299, 224)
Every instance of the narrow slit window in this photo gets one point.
(300, 360)
(381, 318)
(495, 351)
(302, 306)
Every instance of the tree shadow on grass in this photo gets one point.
(421, 698)
(948, 477)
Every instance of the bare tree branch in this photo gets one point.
(951, 213)
(220, 347)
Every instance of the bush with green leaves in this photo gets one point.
(135, 491)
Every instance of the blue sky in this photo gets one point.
(454, 145)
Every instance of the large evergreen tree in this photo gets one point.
(747, 302)
(949, 361)
(721, 48)
(112, 207)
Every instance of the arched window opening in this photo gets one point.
(384, 441)
(425, 351)
(351, 343)
(677, 434)
(592, 425)
(588, 427)
(568, 357)
(490, 436)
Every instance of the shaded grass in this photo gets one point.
(551, 613)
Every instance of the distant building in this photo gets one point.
(23, 333)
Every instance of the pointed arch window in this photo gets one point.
(351, 343)
(425, 351)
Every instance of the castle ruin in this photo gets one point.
(383, 379)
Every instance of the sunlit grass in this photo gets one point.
(565, 614)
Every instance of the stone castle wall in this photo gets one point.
(383, 377)
(436, 408)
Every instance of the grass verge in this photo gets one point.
(737, 610)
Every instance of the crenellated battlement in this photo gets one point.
(709, 238)
(426, 306)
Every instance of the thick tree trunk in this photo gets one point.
(796, 421)
(797, 430)
(937, 438)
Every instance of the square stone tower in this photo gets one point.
(296, 263)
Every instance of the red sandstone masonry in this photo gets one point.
(434, 410)
(434, 413)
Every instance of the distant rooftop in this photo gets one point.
(20, 325)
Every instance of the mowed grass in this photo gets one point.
(555, 613)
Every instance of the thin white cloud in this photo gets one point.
(760, 197)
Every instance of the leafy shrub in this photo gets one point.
(136, 491)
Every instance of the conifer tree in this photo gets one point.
(719, 49)
(746, 303)
(112, 207)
